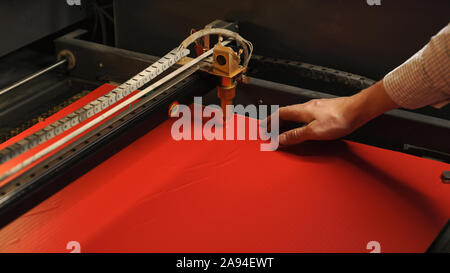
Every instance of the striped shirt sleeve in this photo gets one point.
(424, 78)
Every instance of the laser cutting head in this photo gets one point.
(226, 65)
(226, 62)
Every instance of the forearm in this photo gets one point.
(420, 81)
(424, 78)
(368, 104)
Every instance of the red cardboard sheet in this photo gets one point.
(162, 195)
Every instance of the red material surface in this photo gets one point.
(160, 195)
(102, 90)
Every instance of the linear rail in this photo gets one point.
(93, 107)
(30, 77)
(141, 79)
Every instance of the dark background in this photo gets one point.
(348, 35)
(23, 22)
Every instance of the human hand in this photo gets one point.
(328, 119)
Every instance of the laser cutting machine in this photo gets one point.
(86, 155)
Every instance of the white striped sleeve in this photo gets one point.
(424, 78)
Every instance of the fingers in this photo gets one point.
(297, 135)
(298, 112)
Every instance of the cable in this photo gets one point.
(246, 45)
